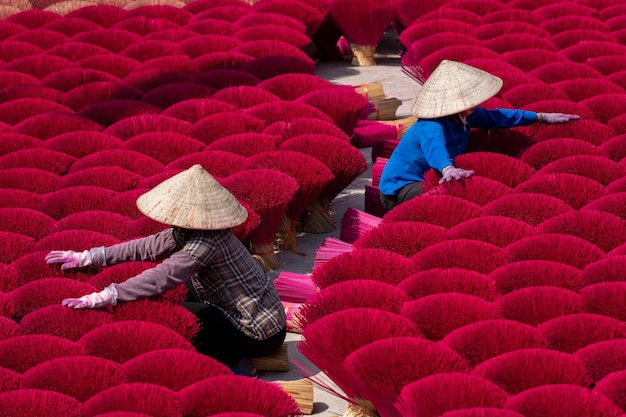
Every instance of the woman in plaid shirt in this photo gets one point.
(233, 297)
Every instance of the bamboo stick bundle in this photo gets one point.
(277, 361)
(384, 109)
(373, 90)
(401, 124)
(302, 391)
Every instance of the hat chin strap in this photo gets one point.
(464, 121)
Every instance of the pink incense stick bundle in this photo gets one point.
(58, 320)
(21, 353)
(9, 328)
(542, 153)
(244, 96)
(330, 248)
(524, 369)
(598, 168)
(45, 403)
(377, 170)
(614, 148)
(431, 209)
(355, 223)
(291, 312)
(475, 189)
(363, 24)
(293, 287)
(602, 358)
(367, 132)
(530, 207)
(496, 230)
(80, 377)
(576, 331)
(39, 158)
(192, 110)
(451, 280)
(292, 86)
(605, 298)
(135, 397)
(530, 273)
(305, 125)
(404, 238)
(612, 387)
(135, 125)
(9, 380)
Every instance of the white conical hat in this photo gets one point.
(452, 88)
(192, 199)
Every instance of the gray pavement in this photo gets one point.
(395, 84)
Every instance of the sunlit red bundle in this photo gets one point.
(180, 63)
(101, 222)
(147, 79)
(114, 40)
(535, 305)
(420, 30)
(605, 298)
(362, 293)
(459, 52)
(124, 340)
(97, 91)
(124, 203)
(329, 340)
(130, 160)
(305, 125)
(39, 65)
(244, 96)
(143, 26)
(112, 63)
(524, 369)
(173, 368)
(9, 380)
(32, 180)
(403, 237)
(272, 31)
(66, 201)
(222, 78)
(371, 368)
(310, 16)
(431, 209)
(137, 397)
(615, 148)
(104, 15)
(496, 230)
(612, 387)
(25, 221)
(37, 158)
(437, 315)
(48, 125)
(215, 395)
(460, 253)
(546, 151)
(223, 12)
(423, 397)
(476, 189)
(575, 331)
(18, 109)
(483, 340)
(166, 95)
(291, 86)
(612, 203)
(605, 230)
(192, 110)
(285, 111)
(210, 128)
(222, 60)
(563, 70)
(57, 320)
(164, 147)
(202, 5)
(529, 59)
(41, 402)
(268, 192)
(575, 190)
(523, 94)
(9, 328)
(522, 274)
(601, 359)
(508, 42)
(450, 280)
(312, 177)
(210, 26)
(564, 399)
(530, 207)
(375, 264)
(344, 161)
(20, 353)
(495, 29)
(79, 377)
(20, 91)
(220, 164)
(14, 246)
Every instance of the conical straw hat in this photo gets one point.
(192, 199)
(452, 88)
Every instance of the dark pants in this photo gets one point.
(406, 193)
(221, 340)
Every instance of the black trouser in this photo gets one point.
(407, 192)
(220, 339)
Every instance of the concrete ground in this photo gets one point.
(395, 84)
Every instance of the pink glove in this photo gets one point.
(449, 173)
(556, 117)
(69, 259)
(104, 298)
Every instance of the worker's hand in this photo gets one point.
(453, 173)
(557, 117)
(104, 298)
(69, 259)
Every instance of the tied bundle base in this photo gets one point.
(265, 256)
(356, 410)
(317, 217)
(276, 362)
(363, 55)
(286, 235)
(373, 91)
(301, 391)
(385, 109)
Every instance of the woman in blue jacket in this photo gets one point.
(446, 108)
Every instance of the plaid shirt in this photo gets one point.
(221, 270)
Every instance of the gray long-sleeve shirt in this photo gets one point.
(221, 269)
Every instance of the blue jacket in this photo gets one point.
(433, 143)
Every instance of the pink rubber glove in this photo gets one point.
(104, 298)
(556, 117)
(69, 259)
(453, 173)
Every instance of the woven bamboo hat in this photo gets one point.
(452, 88)
(192, 199)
